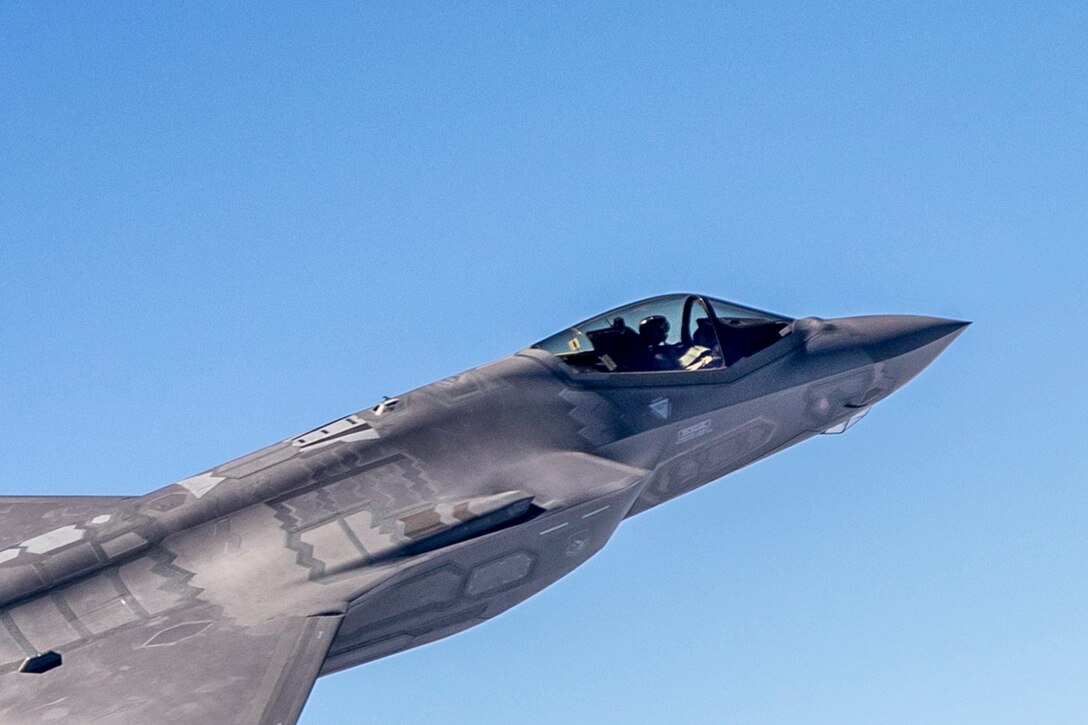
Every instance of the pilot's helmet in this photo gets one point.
(653, 329)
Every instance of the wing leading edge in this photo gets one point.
(23, 516)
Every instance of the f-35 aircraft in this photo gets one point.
(220, 598)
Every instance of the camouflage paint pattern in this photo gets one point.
(394, 526)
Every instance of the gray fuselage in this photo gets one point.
(440, 508)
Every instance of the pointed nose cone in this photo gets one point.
(906, 344)
(890, 336)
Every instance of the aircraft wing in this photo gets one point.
(190, 666)
(23, 516)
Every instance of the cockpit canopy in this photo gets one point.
(678, 332)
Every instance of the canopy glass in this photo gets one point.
(671, 333)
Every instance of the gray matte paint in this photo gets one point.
(395, 526)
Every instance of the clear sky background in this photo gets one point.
(222, 223)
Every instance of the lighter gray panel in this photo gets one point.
(43, 624)
(157, 585)
(501, 573)
(331, 546)
(98, 605)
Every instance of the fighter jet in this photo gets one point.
(222, 597)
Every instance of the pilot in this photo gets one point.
(653, 331)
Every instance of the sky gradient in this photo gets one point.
(222, 224)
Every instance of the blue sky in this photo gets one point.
(221, 224)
